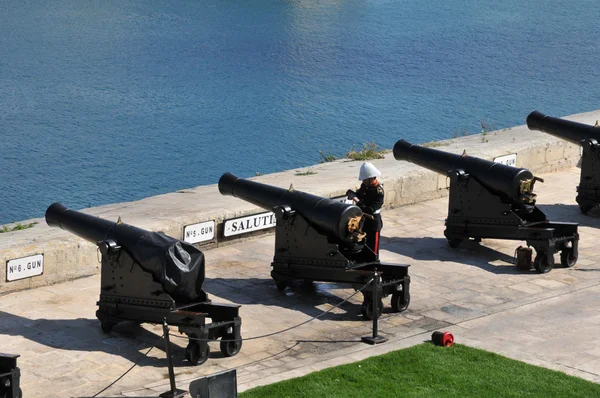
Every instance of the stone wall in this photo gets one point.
(67, 256)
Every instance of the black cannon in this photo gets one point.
(147, 277)
(321, 239)
(493, 200)
(10, 376)
(588, 191)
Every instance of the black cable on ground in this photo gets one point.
(127, 371)
(291, 327)
(247, 339)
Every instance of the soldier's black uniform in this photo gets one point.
(370, 200)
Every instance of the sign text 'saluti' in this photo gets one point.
(252, 223)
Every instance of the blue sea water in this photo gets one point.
(110, 101)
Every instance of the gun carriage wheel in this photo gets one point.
(367, 308)
(197, 352)
(281, 284)
(398, 302)
(568, 257)
(454, 242)
(230, 346)
(585, 209)
(544, 262)
(107, 326)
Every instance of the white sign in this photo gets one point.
(251, 223)
(509, 160)
(24, 267)
(200, 232)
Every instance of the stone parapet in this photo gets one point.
(68, 257)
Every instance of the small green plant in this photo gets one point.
(17, 227)
(484, 137)
(330, 157)
(433, 144)
(462, 133)
(486, 127)
(369, 151)
(308, 172)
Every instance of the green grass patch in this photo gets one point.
(369, 151)
(429, 371)
(17, 227)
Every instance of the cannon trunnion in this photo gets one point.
(319, 239)
(495, 201)
(588, 137)
(150, 277)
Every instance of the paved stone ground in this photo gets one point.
(473, 291)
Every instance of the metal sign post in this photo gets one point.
(375, 338)
(174, 393)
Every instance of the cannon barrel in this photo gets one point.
(507, 181)
(91, 228)
(567, 130)
(177, 265)
(328, 216)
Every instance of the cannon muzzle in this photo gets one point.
(177, 265)
(567, 130)
(514, 184)
(330, 217)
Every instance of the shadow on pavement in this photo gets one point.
(468, 252)
(301, 296)
(571, 213)
(128, 339)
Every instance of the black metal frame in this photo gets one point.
(10, 376)
(475, 212)
(302, 253)
(588, 191)
(129, 293)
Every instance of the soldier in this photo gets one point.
(369, 198)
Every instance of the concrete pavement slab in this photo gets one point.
(473, 291)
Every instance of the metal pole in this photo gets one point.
(375, 338)
(375, 303)
(169, 358)
(174, 393)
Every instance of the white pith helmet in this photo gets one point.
(367, 170)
